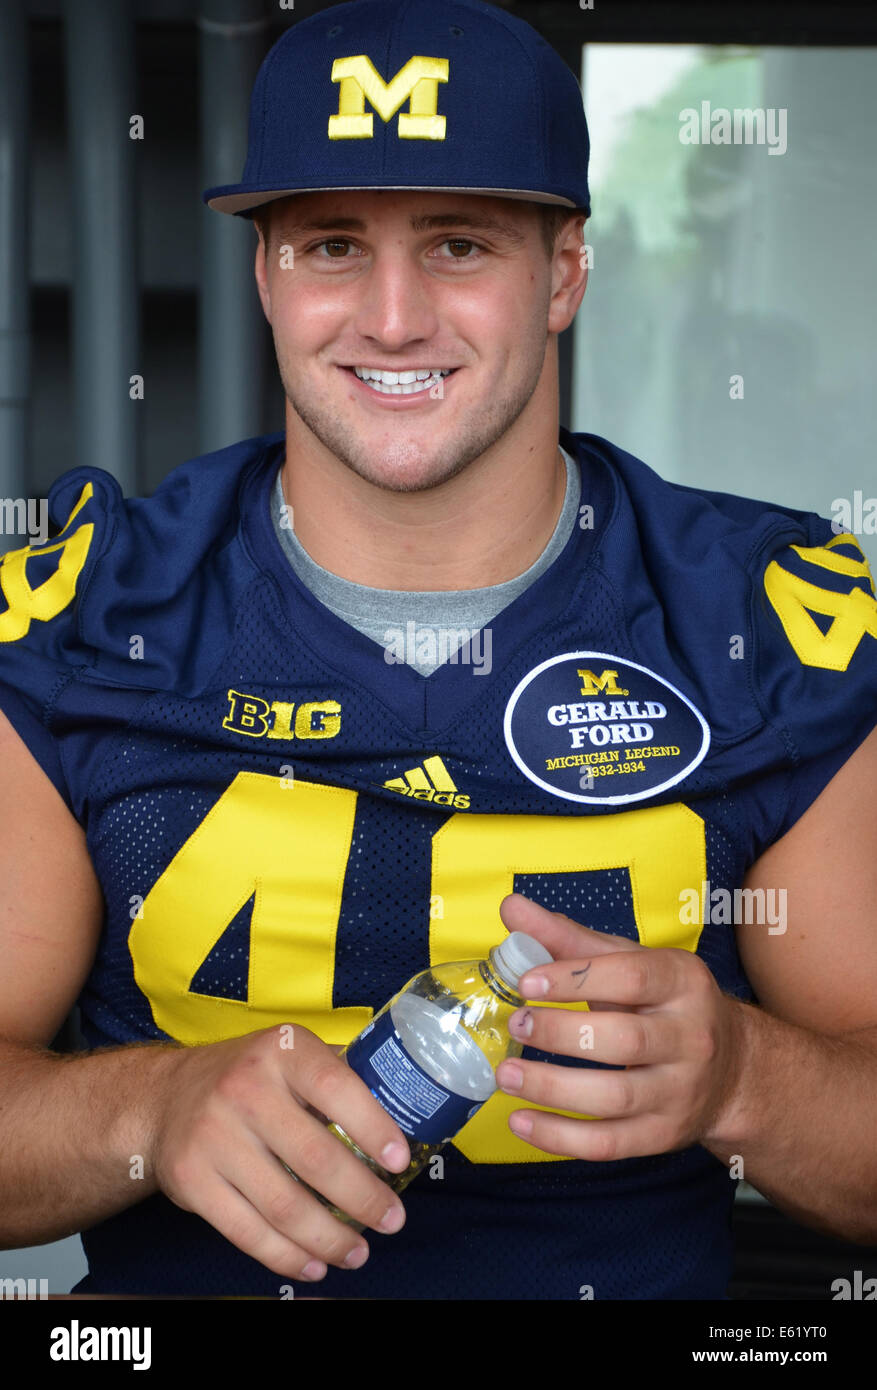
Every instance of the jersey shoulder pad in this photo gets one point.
(774, 611)
(154, 578)
(42, 587)
(815, 621)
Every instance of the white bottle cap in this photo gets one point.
(516, 955)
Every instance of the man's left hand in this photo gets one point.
(657, 1012)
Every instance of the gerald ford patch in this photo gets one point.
(592, 727)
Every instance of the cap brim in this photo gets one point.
(239, 202)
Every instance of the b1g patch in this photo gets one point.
(589, 726)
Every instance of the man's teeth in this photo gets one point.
(400, 383)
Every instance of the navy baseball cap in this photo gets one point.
(440, 95)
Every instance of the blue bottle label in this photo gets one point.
(422, 1108)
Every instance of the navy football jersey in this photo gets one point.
(287, 826)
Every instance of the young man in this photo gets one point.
(301, 723)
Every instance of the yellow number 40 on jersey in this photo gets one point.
(854, 613)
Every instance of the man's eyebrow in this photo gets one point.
(474, 221)
(477, 221)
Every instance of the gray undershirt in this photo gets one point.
(425, 629)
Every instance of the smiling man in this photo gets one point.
(262, 822)
(462, 292)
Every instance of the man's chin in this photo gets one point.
(402, 471)
(403, 456)
(409, 462)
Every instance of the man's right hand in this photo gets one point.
(231, 1110)
(212, 1122)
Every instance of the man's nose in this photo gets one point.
(396, 306)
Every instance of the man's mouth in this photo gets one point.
(405, 382)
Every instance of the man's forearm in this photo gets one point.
(803, 1120)
(72, 1129)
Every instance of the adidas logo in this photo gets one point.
(431, 782)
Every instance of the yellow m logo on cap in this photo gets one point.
(360, 82)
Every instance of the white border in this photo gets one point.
(599, 800)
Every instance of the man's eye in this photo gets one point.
(333, 253)
(461, 242)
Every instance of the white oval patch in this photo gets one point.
(592, 727)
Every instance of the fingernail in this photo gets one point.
(393, 1220)
(521, 1124)
(521, 1023)
(394, 1155)
(356, 1257)
(531, 986)
(510, 1077)
(314, 1269)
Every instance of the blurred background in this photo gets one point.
(727, 335)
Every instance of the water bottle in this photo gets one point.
(429, 1055)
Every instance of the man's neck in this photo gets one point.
(487, 525)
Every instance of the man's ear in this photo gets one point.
(261, 272)
(569, 275)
